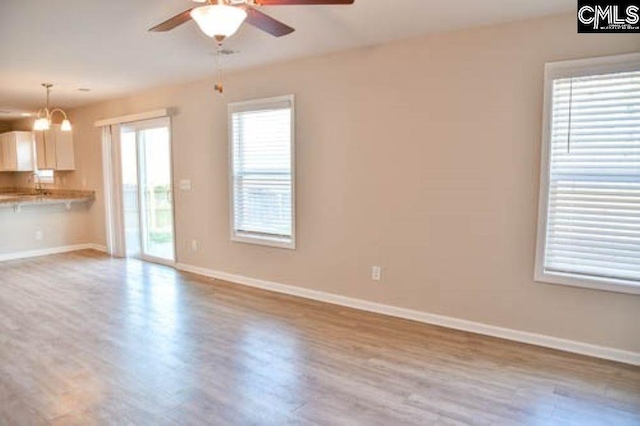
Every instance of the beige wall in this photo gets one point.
(7, 180)
(421, 156)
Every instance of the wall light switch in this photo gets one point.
(376, 273)
(185, 184)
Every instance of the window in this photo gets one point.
(45, 176)
(589, 221)
(262, 171)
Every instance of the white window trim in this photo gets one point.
(47, 179)
(256, 239)
(555, 70)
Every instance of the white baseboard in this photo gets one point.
(596, 351)
(52, 250)
(96, 247)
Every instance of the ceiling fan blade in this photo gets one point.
(173, 22)
(300, 2)
(266, 23)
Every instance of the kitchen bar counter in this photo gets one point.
(19, 197)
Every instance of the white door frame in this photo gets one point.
(112, 178)
(142, 125)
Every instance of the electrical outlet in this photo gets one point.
(376, 273)
(39, 235)
(194, 245)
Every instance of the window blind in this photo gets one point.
(593, 218)
(262, 170)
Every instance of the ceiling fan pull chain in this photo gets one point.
(219, 86)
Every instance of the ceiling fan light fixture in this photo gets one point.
(219, 20)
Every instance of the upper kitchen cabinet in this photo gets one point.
(16, 152)
(54, 149)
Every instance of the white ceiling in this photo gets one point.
(104, 45)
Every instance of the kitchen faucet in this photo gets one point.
(38, 183)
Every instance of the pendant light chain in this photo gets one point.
(48, 87)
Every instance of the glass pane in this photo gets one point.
(156, 192)
(130, 193)
(262, 176)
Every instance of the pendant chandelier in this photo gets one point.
(45, 115)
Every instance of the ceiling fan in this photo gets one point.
(220, 19)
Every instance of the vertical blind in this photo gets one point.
(262, 170)
(593, 221)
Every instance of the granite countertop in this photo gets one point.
(16, 197)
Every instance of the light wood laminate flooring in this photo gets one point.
(86, 339)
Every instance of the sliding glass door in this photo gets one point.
(147, 190)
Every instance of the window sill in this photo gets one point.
(583, 281)
(263, 241)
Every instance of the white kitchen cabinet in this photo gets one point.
(7, 161)
(16, 152)
(45, 150)
(54, 149)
